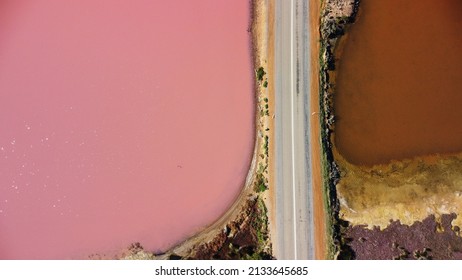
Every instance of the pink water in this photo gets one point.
(120, 122)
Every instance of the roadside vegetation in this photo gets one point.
(261, 181)
(332, 27)
(260, 73)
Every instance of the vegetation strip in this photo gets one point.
(334, 21)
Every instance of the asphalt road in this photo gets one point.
(294, 236)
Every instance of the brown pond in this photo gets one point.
(399, 83)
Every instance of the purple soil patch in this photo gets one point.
(425, 239)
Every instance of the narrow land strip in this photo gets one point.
(318, 192)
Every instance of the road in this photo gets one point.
(294, 236)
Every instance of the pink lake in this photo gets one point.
(120, 122)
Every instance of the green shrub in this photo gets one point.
(260, 73)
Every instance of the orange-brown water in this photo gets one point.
(399, 83)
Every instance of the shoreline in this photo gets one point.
(271, 194)
(213, 236)
(335, 18)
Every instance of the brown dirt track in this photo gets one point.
(319, 210)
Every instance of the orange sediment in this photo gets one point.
(318, 204)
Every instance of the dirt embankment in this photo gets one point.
(335, 16)
(320, 213)
(242, 232)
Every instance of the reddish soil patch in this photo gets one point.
(241, 239)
